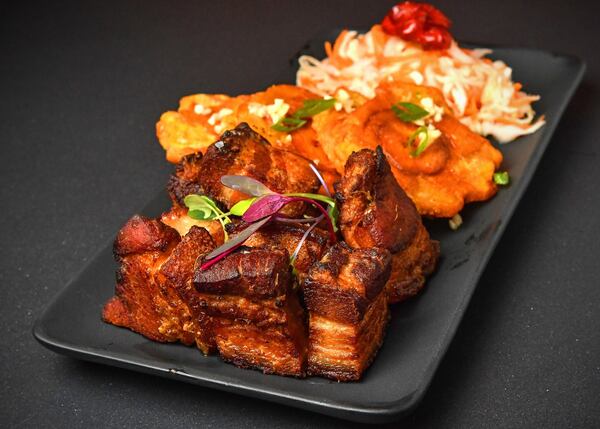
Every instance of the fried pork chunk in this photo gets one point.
(249, 302)
(375, 212)
(186, 179)
(280, 235)
(241, 151)
(348, 310)
(154, 263)
(176, 275)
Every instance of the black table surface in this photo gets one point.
(81, 88)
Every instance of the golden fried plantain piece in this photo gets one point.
(455, 169)
(202, 118)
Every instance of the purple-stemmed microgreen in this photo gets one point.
(321, 179)
(264, 206)
(234, 242)
(332, 210)
(271, 204)
(301, 242)
(246, 185)
(295, 220)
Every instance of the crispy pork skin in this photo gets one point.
(175, 282)
(154, 264)
(411, 266)
(242, 151)
(184, 181)
(348, 310)
(141, 246)
(252, 307)
(375, 211)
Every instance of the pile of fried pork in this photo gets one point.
(325, 316)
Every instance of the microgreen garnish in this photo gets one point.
(334, 215)
(240, 207)
(421, 135)
(299, 118)
(295, 220)
(264, 206)
(501, 178)
(203, 208)
(233, 243)
(321, 179)
(301, 242)
(246, 185)
(409, 112)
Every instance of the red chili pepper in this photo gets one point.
(419, 22)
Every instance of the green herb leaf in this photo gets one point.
(422, 133)
(201, 214)
(287, 124)
(409, 112)
(299, 118)
(328, 200)
(203, 208)
(240, 207)
(311, 108)
(334, 214)
(501, 178)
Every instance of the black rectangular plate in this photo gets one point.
(420, 330)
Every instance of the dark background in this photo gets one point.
(81, 86)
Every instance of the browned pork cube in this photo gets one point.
(348, 310)
(280, 235)
(249, 300)
(175, 279)
(375, 211)
(154, 263)
(242, 152)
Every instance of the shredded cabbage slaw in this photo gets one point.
(479, 91)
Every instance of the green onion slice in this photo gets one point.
(501, 178)
(287, 124)
(409, 112)
(421, 133)
(299, 118)
(311, 108)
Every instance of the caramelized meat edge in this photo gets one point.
(375, 211)
(244, 152)
(249, 301)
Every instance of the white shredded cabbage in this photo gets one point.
(466, 78)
